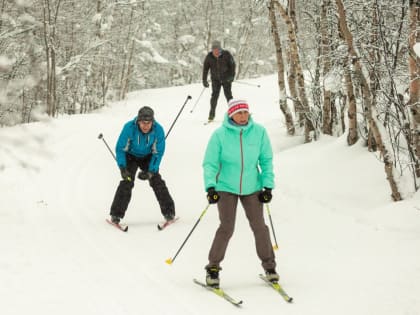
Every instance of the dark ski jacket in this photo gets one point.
(133, 141)
(221, 68)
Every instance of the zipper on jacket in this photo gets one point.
(242, 161)
(218, 69)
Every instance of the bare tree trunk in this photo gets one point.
(386, 155)
(291, 71)
(2, 7)
(209, 10)
(414, 88)
(326, 67)
(304, 109)
(129, 69)
(50, 52)
(373, 60)
(291, 83)
(343, 101)
(291, 12)
(245, 34)
(126, 59)
(280, 73)
(47, 55)
(353, 135)
(370, 108)
(222, 13)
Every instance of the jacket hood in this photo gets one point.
(228, 123)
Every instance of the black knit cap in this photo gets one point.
(145, 114)
(216, 45)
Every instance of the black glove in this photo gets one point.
(265, 195)
(212, 195)
(229, 80)
(205, 83)
(125, 174)
(143, 175)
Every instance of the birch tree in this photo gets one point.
(328, 105)
(414, 87)
(280, 71)
(370, 108)
(50, 11)
(303, 105)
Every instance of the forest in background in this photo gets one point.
(75, 56)
(344, 66)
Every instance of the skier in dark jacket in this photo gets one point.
(141, 144)
(222, 73)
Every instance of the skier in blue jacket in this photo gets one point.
(141, 144)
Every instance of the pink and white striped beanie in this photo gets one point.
(237, 106)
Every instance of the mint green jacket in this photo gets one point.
(239, 159)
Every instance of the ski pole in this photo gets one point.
(247, 83)
(169, 261)
(196, 102)
(101, 136)
(275, 247)
(179, 113)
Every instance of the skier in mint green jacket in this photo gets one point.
(238, 165)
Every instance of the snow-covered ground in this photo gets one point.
(344, 246)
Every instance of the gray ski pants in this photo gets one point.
(227, 214)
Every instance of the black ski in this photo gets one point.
(211, 121)
(165, 224)
(121, 227)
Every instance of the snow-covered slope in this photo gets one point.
(344, 247)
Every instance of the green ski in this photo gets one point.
(276, 286)
(220, 292)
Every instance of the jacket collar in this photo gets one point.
(229, 124)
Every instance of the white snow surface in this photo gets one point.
(344, 246)
(416, 48)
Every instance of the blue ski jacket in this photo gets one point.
(133, 141)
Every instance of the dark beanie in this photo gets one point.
(145, 114)
(216, 44)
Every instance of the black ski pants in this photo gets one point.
(123, 194)
(216, 85)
